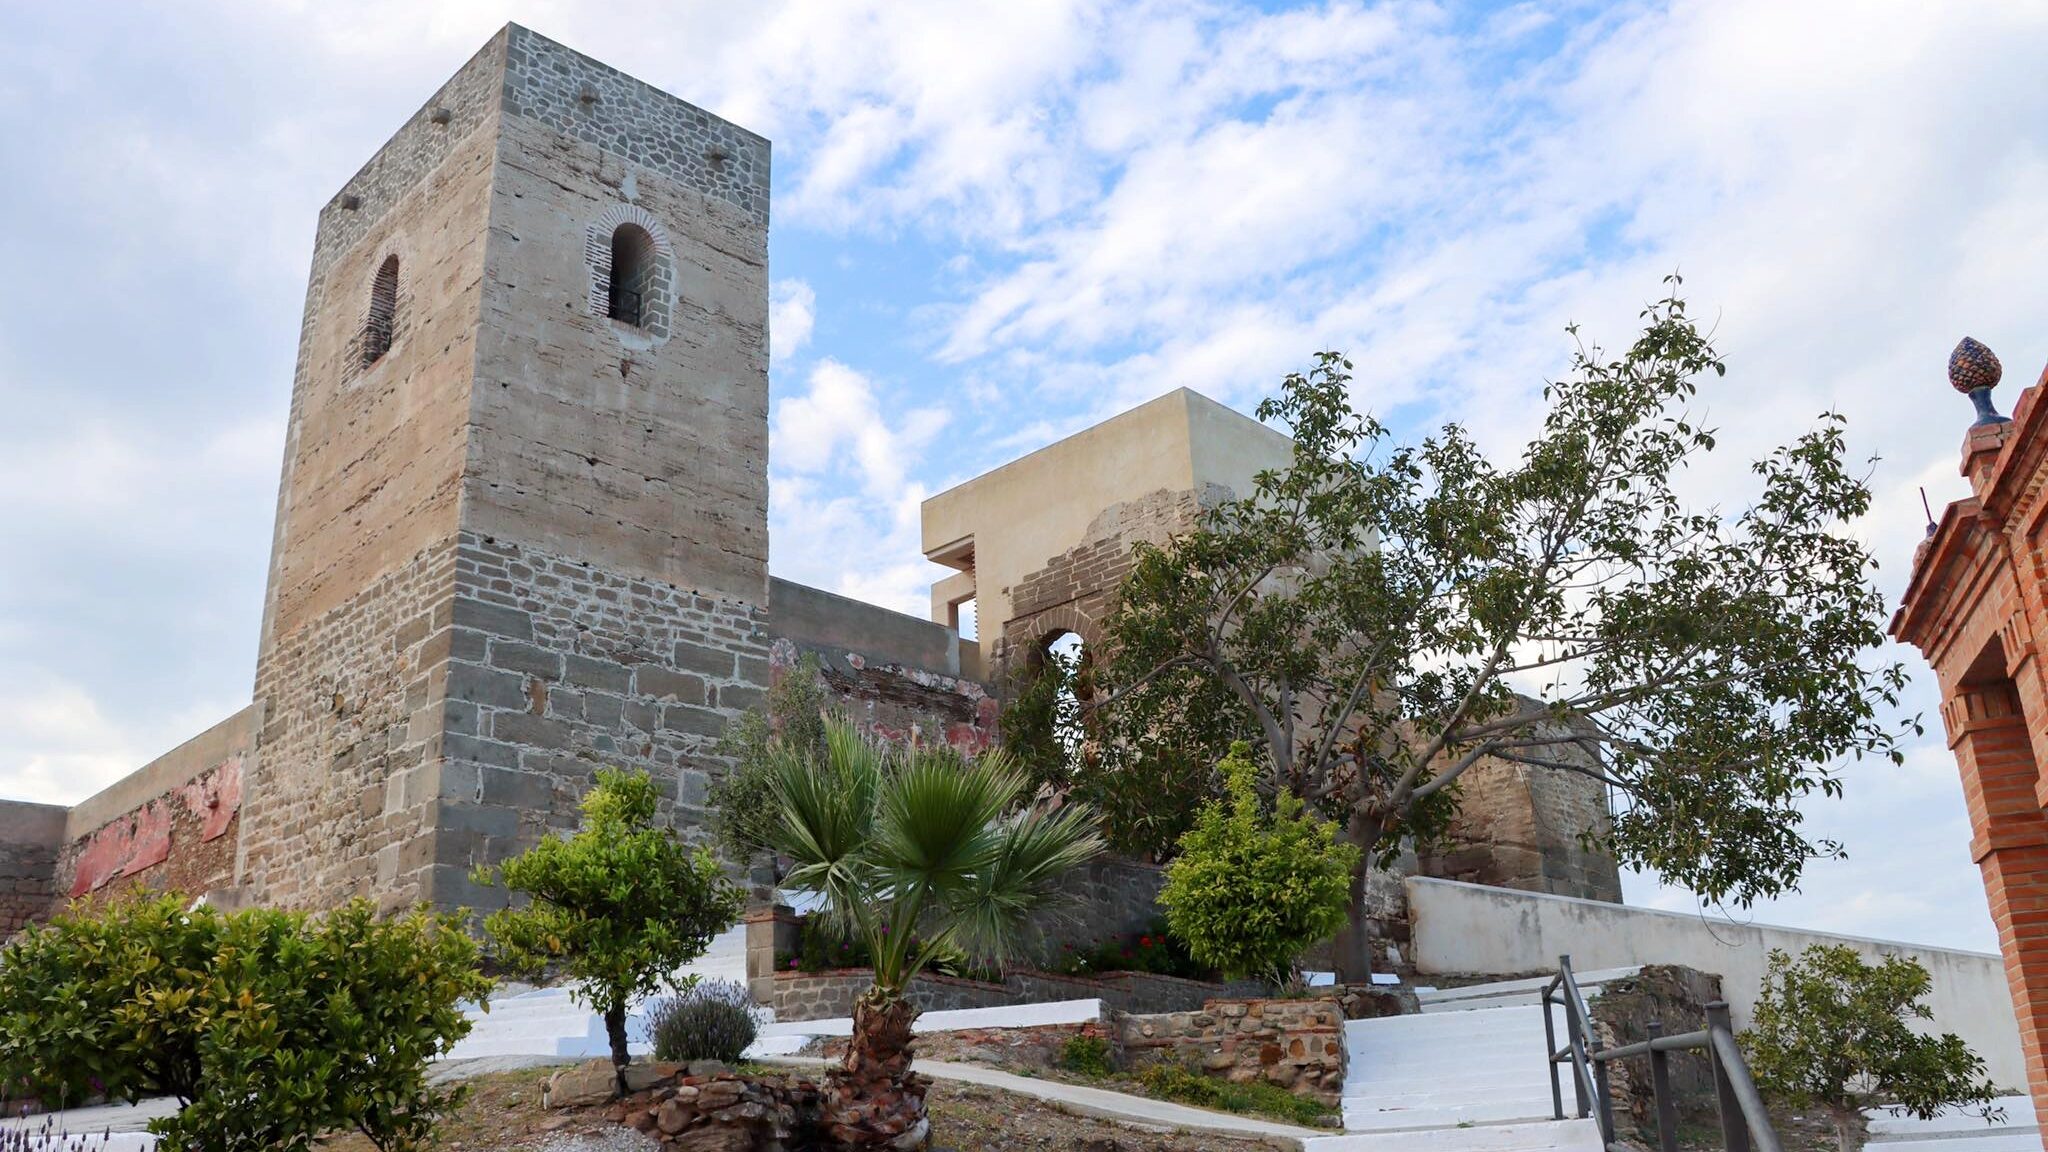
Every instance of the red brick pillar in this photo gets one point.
(1994, 750)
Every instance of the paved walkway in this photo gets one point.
(1100, 1102)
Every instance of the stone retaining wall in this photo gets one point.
(1675, 998)
(825, 995)
(1296, 1044)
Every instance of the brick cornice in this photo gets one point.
(1950, 573)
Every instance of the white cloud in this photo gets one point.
(843, 511)
(792, 312)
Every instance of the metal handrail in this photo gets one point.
(1745, 1122)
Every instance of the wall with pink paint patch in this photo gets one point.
(168, 827)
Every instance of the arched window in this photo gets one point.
(633, 268)
(1066, 657)
(382, 320)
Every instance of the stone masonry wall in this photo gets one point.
(559, 669)
(643, 451)
(348, 762)
(1522, 827)
(30, 836)
(1675, 998)
(825, 995)
(1296, 1044)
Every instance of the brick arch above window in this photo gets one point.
(654, 283)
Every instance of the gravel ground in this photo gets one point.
(503, 1114)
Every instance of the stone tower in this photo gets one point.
(522, 525)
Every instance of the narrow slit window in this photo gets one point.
(383, 317)
(633, 267)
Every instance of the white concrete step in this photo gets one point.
(1527, 988)
(1479, 1067)
(1955, 1131)
(1995, 1141)
(1453, 1111)
(1546, 1136)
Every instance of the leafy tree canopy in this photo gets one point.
(273, 1028)
(743, 811)
(1381, 617)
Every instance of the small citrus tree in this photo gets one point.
(621, 905)
(1251, 888)
(1836, 1033)
(920, 856)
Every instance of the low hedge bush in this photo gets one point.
(272, 1027)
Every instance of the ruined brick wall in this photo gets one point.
(181, 841)
(1521, 827)
(1075, 590)
(168, 827)
(896, 702)
(30, 837)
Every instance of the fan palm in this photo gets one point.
(920, 855)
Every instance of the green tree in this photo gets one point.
(272, 1028)
(1380, 618)
(620, 905)
(1146, 782)
(1836, 1033)
(920, 856)
(1252, 888)
(743, 811)
(1041, 723)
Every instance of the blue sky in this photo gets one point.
(997, 223)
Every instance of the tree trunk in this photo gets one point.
(615, 1029)
(873, 1100)
(1354, 940)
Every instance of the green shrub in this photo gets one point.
(1834, 1032)
(272, 1027)
(710, 1020)
(1251, 889)
(1156, 950)
(1086, 1055)
(619, 906)
(823, 945)
(1170, 1081)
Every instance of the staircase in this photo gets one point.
(2016, 1132)
(1466, 1075)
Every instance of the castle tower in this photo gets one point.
(522, 525)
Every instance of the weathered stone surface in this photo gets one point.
(1296, 1044)
(582, 1086)
(1676, 999)
(723, 1113)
